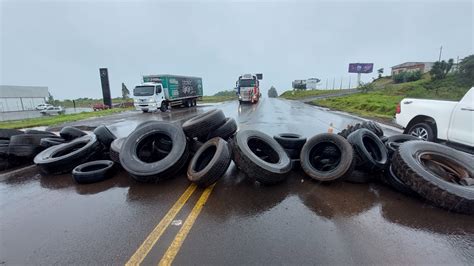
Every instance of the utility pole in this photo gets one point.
(326, 83)
(440, 51)
(341, 84)
(349, 82)
(334, 83)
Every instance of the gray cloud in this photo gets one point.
(63, 44)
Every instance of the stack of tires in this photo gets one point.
(78, 153)
(440, 174)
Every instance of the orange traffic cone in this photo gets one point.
(330, 129)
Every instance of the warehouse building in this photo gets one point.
(21, 98)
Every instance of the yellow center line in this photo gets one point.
(153, 237)
(173, 249)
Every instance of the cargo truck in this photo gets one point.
(248, 88)
(162, 91)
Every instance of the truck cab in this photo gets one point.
(149, 97)
(248, 88)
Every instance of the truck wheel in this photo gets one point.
(260, 157)
(209, 163)
(163, 107)
(327, 157)
(371, 152)
(437, 173)
(203, 124)
(422, 131)
(194, 102)
(370, 125)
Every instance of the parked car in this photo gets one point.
(434, 120)
(100, 106)
(53, 110)
(42, 106)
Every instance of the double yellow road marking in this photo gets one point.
(158, 231)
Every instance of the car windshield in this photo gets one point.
(144, 91)
(247, 83)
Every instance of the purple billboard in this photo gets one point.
(361, 67)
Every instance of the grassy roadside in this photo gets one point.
(58, 119)
(382, 101)
(301, 94)
(215, 99)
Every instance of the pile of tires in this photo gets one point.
(437, 173)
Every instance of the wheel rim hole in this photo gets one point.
(325, 156)
(373, 149)
(93, 167)
(205, 157)
(70, 149)
(263, 150)
(444, 168)
(154, 147)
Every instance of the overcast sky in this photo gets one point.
(63, 44)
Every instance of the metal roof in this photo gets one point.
(409, 64)
(12, 91)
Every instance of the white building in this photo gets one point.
(21, 98)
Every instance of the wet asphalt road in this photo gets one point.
(52, 220)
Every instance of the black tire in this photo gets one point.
(154, 166)
(419, 130)
(64, 157)
(294, 154)
(69, 133)
(7, 133)
(209, 163)
(371, 152)
(93, 172)
(30, 139)
(41, 132)
(370, 125)
(3, 151)
(226, 131)
(201, 125)
(163, 107)
(327, 157)
(417, 164)
(104, 136)
(4, 141)
(114, 152)
(25, 151)
(48, 142)
(145, 110)
(359, 177)
(260, 157)
(391, 178)
(290, 141)
(194, 145)
(393, 142)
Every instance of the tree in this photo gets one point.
(441, 69)
(380, 71)
(125, 92)
(272, 92)
(367, 87)
(50, 99)
(466, 69)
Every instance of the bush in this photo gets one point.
(407, 76)
(272, 93)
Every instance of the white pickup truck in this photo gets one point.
(434, 120)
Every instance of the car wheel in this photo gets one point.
(225, 131)
(370, 150)
(201, 125)
(69, 133)
(422, 131)
(104, 136)
(290, 141)
(92, 172)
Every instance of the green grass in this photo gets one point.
(58, 119)
(382, 101)
(215, 99)
(301, 94)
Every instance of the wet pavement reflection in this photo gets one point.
(53, 220)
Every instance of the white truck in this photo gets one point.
(158, 92)
(434, 120)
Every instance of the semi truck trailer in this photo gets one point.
(159, 92)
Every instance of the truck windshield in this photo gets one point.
(247, 83)
(144, 91)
